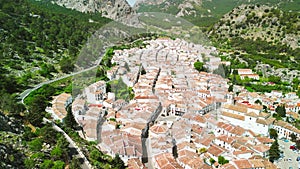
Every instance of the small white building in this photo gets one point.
(96, 92)
(285, 129)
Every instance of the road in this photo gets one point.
(288, 153)
(86, 164)
(24, 94)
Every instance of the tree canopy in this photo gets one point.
(273, 134)
(199, 66)
(274, 152)
(280, 110)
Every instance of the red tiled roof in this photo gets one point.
(167, 161)
(228, 166)
(256, 163)
(207, 140)
(215, 150)
(135, 163)
(264, 140)
(238, 130)
(226, 139)
(243, 164)
(158, 129)
(235, 116)
(261, 148)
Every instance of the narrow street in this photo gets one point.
(285, 163)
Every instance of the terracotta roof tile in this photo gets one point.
(243, 164)
(235, 116)
(261, 148)
(226, 139)
(264, 140)
(238, 130)
(135, 163)
(167, 161)
(215, 150)
(239, 108)
(228, 166)
(207, 140)
(257, 163)
(158, 129)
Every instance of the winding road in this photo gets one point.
(24, 94)
(86, 164)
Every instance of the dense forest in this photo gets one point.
(38, 41)
(40, 38)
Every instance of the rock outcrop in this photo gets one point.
(113, 9)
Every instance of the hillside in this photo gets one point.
(205, 13)
(260, 37)
(108, 8)
(260, 22)
(40, 40)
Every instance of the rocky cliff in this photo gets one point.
(113, 9)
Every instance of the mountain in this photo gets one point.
(205, 13)
(266, 38)
(261, 22)
(113, 9)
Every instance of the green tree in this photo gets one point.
(199, 66)
(37, 110)
(48, 134)
(280, 110)
(58, 165)
(212, 161)
(9, 103)
(202, 150)
(274, 79)
(273, 134)
(35, 145)
(258, 102)
(143, 71)
(235, 72)
(222, 160)
(56, 153)
(95, 155)
(274, 152)
(75, 164)
(118, 163)
(69, 120)
(298, 144)
(47, 164)
(63, 143)
(293, 137)
(230, 88)
(29, 163)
